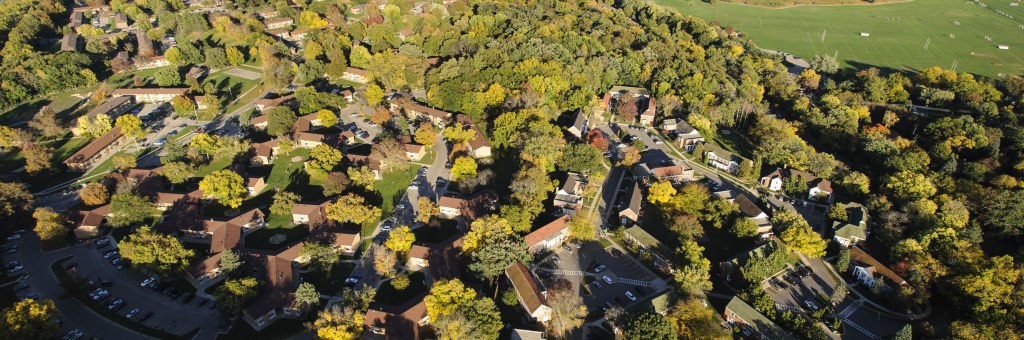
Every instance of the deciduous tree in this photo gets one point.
(30, 319)
(49, 224)
(161, 253)
(650, 325)
(226, 186)
(335, 183)
(283, 203)
(322, 159)
(798, 235)
(229, 261)
(384, 260)
(94, 194)
(426, 209)
(660, 192)
(178, 172)
(362, 176)
(128, 208)
(280, 120)
(327, 118)
(352, 209)
(463, 167)
(567, 309)
(425, 134)
(235, 293)
(306, 295)
(14, 198)
(400, 240)
(339, 324)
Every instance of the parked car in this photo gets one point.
(147, 281)
(132, 313)
(353, 279)
(113, 305)
(386, 226)
(810, 304)
(597, 284)
(607, 279)
(630, 295)
(11, 249)
(20, 287)
(567, 248)
(13, 237)
(14, 269)
(115, 261)
(600, 268)
(109, 254)
(73, 334)
(363, 134)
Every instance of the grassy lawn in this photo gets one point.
(70, 147)
(388, 295)
(276, 224)
(330, 281)
(246, 97)
(898, 33)
(216, 164)
(393, 186)
(231, 87)
(108, 165)
(735, 143)
(429, 234)
(283, 169)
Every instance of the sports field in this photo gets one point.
(898, 32)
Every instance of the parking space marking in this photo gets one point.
(861, 329)
(789, 308)
(849, 310)
(634, 282)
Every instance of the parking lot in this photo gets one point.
(625, 273)
(169, 315)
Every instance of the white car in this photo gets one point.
(413, 187)
(147, 281)
(630, 296)
(132, 313)
(607, 279)
(13, 237)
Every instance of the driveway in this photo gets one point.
(351, 114)
(172, 317)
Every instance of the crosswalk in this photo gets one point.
(846, 312)
(634, 282)
(789, 308)
(861, 329)
(567, 272)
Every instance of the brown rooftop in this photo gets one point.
(545, 232)
(95, 147)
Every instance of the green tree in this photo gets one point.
(362, 177)
(650, 325)
(907, 186)
(49, 225)
(157, 252)
(581, 158)
(320, 255)
(283, 203)
(695, 275)
(497, 253)
(306, 296)
(226, 186)
(400, 240)
(837, 213)
(743, 227)
(459, 134)
(905, 333)
(798, 235)
(233, 56)
(322, 159)
(280, 120)
(123, 162)
(229, 261)
(235, 293)
(30, 319)
(582, 226)
(94, 194)
(352, 209)
(843, 261)
(167, 77)
(178, 172)
(400, 282)
(128, 208)
(463, 167)
(824, 64)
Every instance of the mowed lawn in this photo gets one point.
(898, 33)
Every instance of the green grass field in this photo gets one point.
(898, 33)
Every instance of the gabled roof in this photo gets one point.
(419, 252)
(180, 91)
(526, 287)
(808, 178)
(756, 320)
(205, 266)
(94, 147)
(865, 259)
(747, 207)
(398, 323)
(548, 231)
(635, 199)
(851, 231)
